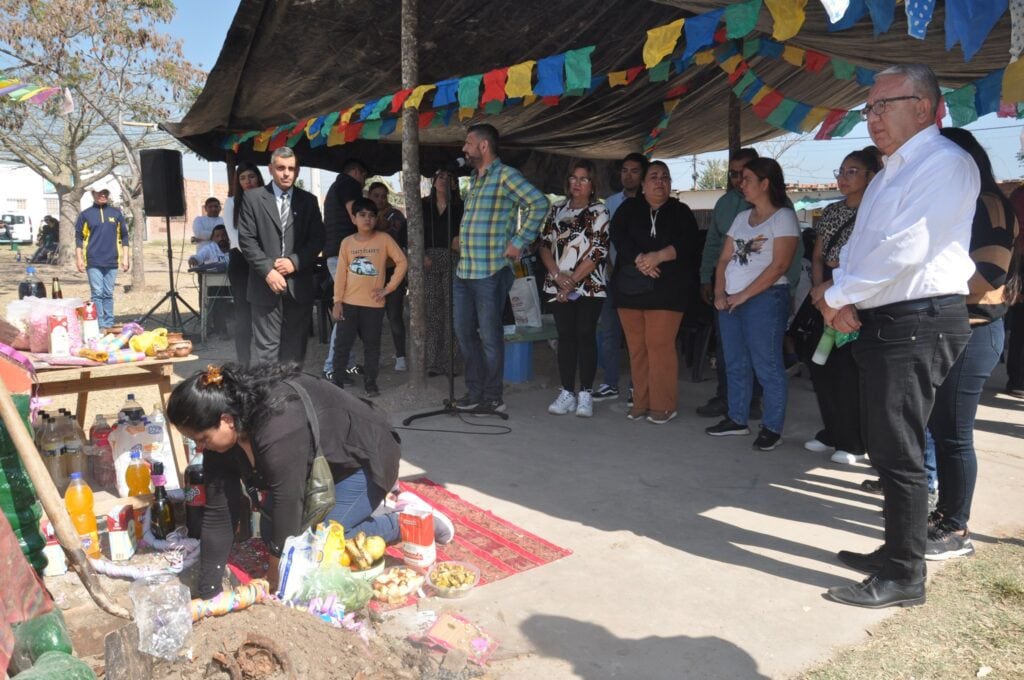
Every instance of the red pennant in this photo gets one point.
(494, 85)
(815, 61)
(398, 99)
(551, 101)
(831, 122)
(352, 132)
(720, 35)
(279, 140)
(426, 118)
(767, 104)
(677, 91)
(735, 76)
(632, 73)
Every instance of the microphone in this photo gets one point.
(461, 161)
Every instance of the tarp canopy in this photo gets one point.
(287, 60)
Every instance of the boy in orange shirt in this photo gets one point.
(359, 290)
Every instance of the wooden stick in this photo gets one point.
(53, 505)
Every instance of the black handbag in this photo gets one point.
(629, 280)
(319, 497)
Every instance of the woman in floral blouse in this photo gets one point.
(574, 249)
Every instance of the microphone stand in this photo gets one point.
(449, 407)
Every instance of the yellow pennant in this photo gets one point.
(788, 16)
(661, 42)
(794, 55)
(813, 118)
(520, 80)
(413, 102)
(1013, 82)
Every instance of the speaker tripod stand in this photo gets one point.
(175, 321)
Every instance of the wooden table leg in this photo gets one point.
(83, 401)
(177, 445)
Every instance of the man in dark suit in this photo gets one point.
(280, 233)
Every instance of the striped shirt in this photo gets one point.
(489, 219)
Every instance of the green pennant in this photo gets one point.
(961, 105)
(578, 92)
(494, 107)
(849, 122)
(329, 121)
(741, 18)
(382, 105)
(371, 129)
(744, 83)
(469, 91)
(781, 113)
(577, 68)
(842, 69)
(659, 73)
(751, 48)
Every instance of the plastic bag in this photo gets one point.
(525, 302)
(58, 666)
(36, 637)
(352, 592)
(298, 560)
(163, 615)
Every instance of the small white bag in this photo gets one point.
(525, 302)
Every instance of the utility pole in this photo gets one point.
(694, 175)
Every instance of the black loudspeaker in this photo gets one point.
(163, 184)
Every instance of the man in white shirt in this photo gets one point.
(202, 226)
(215, 252)
(901, 282)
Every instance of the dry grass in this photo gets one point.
(972, 626)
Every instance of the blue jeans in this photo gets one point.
(332, 267)
(929, 461)
(101, 284)
(752, 341)
(952, 421)
(479, 304)
(609, 340)
(355, 499)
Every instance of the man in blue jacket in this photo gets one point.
(101, 244)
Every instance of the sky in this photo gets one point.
(203, 24)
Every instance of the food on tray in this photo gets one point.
(396, 584)
(452, 575)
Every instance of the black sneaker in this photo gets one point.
(489, 406)
(629, 399)
(725, 428)
(715, 408)
(329, 376)
(945, 542)
(872, 486)
(767, 440)
(371, 389)
(756, 409)
(466, 403)
(605, 392)
(355, 370)
(934, 519)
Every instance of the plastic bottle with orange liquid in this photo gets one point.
(78, 500)
(137, 476)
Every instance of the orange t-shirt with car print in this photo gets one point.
(361, 268)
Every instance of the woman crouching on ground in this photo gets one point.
(254, 427)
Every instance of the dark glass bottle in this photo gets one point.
(195, 496)
(161, 514)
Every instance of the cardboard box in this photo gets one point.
(121, 528)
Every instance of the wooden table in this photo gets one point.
(81, 380)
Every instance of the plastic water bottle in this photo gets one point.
(78, 500)
(74, 447)
(103, 464)
(825, 345)
(137, 477)
(31, 286)
(132, 410)
(51, 445)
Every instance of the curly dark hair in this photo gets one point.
(242, 393)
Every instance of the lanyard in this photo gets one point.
(654, 222)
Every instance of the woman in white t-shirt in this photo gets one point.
(751, 286)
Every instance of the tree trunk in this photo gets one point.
(413, 205)
(68, 200)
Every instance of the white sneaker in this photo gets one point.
(585, 404)
(847, 458)
(564, 403)
(816, 446)
(400, 364)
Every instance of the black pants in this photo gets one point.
(838, 393)
(238, 274)
(281, 331)
(394, 305)
(902, 357)
(576, 322)
(366, 322)
(1015, 348)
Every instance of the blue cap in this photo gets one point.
(76, 475)
(30, 270)
(135, 455)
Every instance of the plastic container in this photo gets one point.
(137, 476)
(453, 592)
(518, 362)
(78, 500)
(51, 446)
(31, 286)
(103, 472)
(133, 410)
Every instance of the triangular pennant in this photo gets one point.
(969, 22)
(854, 13)
(882, 14)
(661, 42)
(835, 9)
(919, 15)
(700, 31)
(788, 16)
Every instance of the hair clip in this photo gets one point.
(211, 377)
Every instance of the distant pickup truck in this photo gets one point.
(17, 227)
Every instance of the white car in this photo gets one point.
(18, 225)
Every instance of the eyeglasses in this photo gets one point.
(882, 105)
(573, 179)
(849, 173)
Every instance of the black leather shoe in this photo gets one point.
(877, 593)
(869, 563)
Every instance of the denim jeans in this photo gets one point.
(902, 356)
(752, 341)
(332, 267)
(929, 461)
(355, 499)
(952, 421)
(609, 340)
(722, 388)
(479, 304)
(101, 285)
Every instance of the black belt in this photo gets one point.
(929, 304)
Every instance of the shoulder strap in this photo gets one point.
(314, 422)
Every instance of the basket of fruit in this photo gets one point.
(453, 579)
(365, 556)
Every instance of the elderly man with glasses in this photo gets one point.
(901, 282)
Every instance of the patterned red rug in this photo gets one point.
(499, 548)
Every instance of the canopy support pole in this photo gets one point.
(734, 124)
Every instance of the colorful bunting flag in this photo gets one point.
(741, 18)
(469, 92)
(550, 76)
(1016, 28)
(700, 31)
(767, 102)
(520, 80)
(919, 15)
(813, 118)
(794, 55)
(577, 68)
(771, 49)
(882, 14)
(865, 76)
(842, 69)
(853, 14)
(848, 122)
(1013, 82)
(414, 100)
(970, 21)
(661, 42)
(794, 122)
(398, 100)
(961, 105)
(835, 9)
(788, 16)
(447, 93)
(780, 114)
(986, 98)
(659, 73)
(815, 61)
